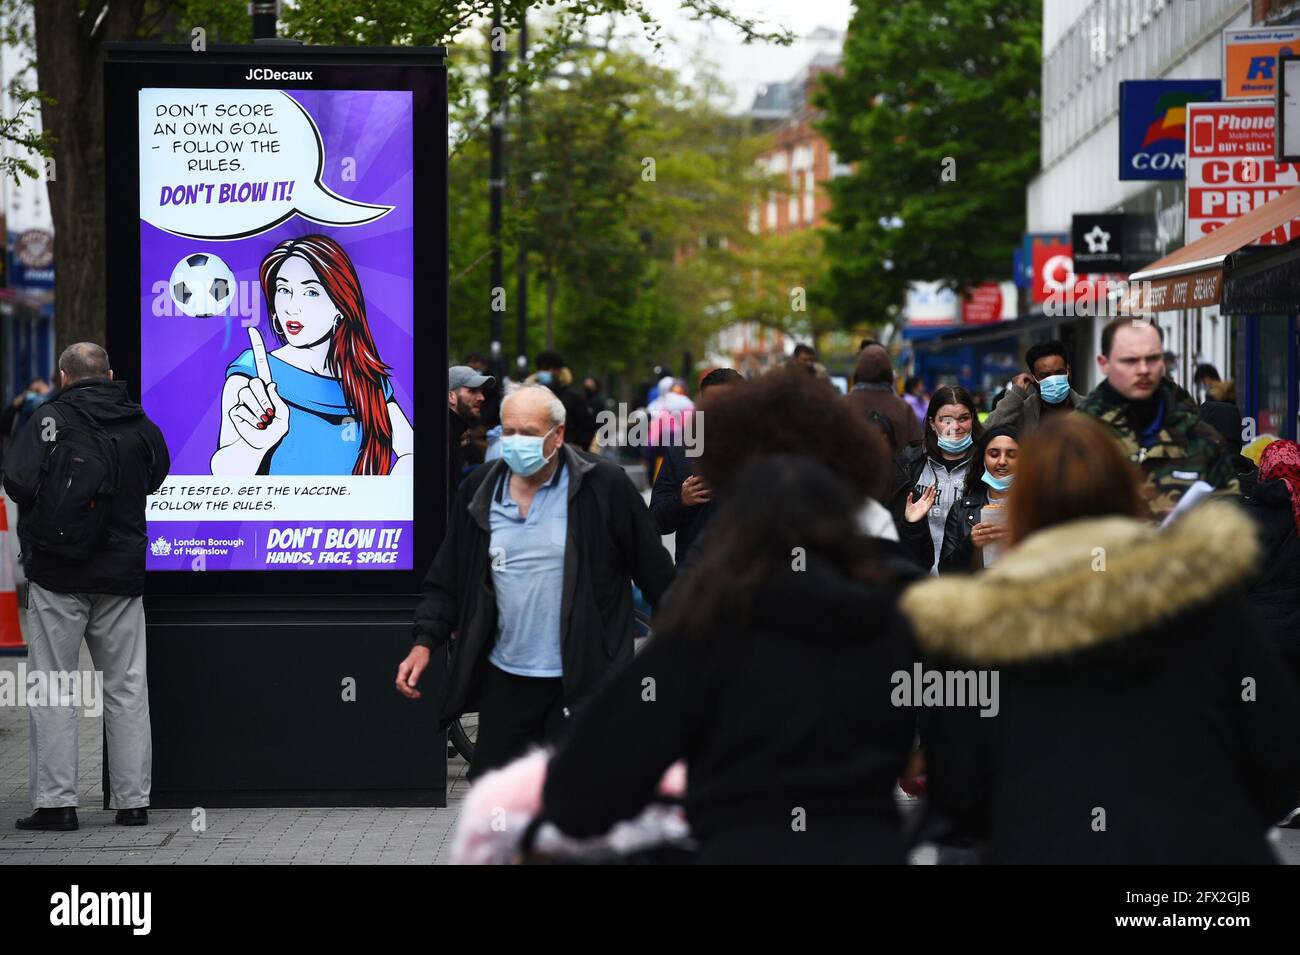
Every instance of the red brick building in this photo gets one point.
(802, 160)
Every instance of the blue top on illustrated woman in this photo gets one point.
(320, 440)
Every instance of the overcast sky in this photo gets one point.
(745, 68)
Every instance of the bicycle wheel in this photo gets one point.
(463, 733)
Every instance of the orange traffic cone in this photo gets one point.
(11, 634)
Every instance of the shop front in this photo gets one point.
(984, 359)
(27, 331)
(1254, 291)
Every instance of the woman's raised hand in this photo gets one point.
(916, 510)
(260, 415)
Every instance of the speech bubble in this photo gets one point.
(226, 164)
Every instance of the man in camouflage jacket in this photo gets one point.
(1157, 423)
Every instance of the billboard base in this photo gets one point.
(277, 701)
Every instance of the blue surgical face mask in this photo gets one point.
(544, 377)
(1054, 388)
(957, 446)
(997, 483)
(523, 453)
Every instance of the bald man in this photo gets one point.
(535, 579)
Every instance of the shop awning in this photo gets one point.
(940, 337)
(1195, 275)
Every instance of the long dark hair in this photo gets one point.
(352, 355)
(788, 411)
(975, 472)
(778, 503)
(949, 395)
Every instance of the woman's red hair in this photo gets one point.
(352, 356)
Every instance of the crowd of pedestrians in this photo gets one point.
(1073, 627)
(834, 552)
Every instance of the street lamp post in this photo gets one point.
(265, 14)
(521, 175)
(496, 182)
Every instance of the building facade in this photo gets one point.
(1089, 48)
(801, 161)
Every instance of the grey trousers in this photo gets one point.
(113, 628)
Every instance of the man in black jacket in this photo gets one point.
(533, 581)
(97, 598)
(465, 402)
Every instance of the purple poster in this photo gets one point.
(276, 319)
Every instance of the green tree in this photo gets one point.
(938, 106)
(69, 38)
(776, 283)
(634, 213)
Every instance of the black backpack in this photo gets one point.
(74, 497)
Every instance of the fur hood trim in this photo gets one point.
(1083, 584)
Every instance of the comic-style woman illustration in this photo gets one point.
(321, 403)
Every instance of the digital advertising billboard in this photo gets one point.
(279, 228)
(276, 326)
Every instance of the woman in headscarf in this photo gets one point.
(1274, 503)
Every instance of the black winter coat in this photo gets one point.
(611, 541)
(1275, 596)
(907, 467)
(579, 422)
(456, 428)
(670, 514)
(792, 710)
(957, 554)
(1141, 719)
(908, 464)
(143, 462)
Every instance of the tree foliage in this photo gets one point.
(69, 38)
(930, 86)
(627, 206)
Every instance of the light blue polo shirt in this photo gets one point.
(527, 560)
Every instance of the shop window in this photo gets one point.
(1274, 351)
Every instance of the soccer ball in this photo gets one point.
(202, 285)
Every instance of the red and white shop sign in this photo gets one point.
(1054, 278)
(1231, 169)
(982, 304)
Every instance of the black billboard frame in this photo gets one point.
(245, 666)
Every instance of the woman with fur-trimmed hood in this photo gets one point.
(1140, 718)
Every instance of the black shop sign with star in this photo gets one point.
(1105, 242)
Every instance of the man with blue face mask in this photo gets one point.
(1041, 392)
(535, 579)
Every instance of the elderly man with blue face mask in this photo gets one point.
(1041, 392)
(535, 579)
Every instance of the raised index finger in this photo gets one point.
(260, 361)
